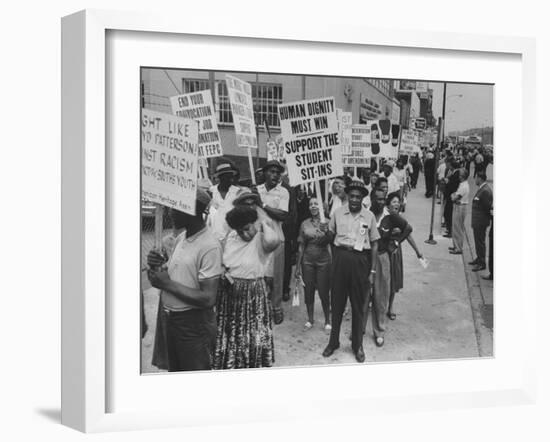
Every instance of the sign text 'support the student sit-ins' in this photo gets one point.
(361, 153)
(311, 140)
(169, 160)
(199, 106)
(240, 97)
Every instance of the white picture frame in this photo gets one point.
(85, 217)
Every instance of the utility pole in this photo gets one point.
(440, 140)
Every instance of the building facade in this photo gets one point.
(367, 99)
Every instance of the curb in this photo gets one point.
(482, 311)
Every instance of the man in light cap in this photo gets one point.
(223, 195)
(393, 182)
(188, 280)
(355, 238)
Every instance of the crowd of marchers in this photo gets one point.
(225, 272)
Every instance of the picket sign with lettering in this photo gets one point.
(240, 98)
(309, 129)
(410, 142)
(169, 165)
(360, 153)
(199, 106)
(346, 135)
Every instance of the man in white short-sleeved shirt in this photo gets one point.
(354, 234)
(275, 201)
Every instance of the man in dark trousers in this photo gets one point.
(482, 205)
(451, 185)
(429, 174)
(489, 277)
(355, 237)
(416, 166)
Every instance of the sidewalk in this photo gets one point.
(481, 291)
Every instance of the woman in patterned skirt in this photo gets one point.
(245, 328)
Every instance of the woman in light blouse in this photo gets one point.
(245, 325)
(313, 263)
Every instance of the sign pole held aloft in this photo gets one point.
(431, 239)
(251, 164)
(320, 200)
(158, 226)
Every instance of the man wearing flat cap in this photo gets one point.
(223, 195)
(355, 237)
(275, 201)
(188, 280)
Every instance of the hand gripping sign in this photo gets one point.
(311, 140)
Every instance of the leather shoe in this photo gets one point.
(478, 268)
(488, 277)
(473, 263)
(447, 235)
(455, 252)
(360, 355)
(329, 350)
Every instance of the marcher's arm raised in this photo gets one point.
(270, 239)
(276, 214)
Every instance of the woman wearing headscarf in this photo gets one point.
(244, 317)
(314, 262)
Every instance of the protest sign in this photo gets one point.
(410, 142)
(199, 106)
(385, 138)
(311, 140)
(361, 153)
(345, 119)
(240, 98)
(169, 149)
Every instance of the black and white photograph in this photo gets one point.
(297, 220)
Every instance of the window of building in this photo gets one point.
(265, 98)
(190, 86)
(383, 86)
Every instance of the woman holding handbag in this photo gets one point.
(314, 262)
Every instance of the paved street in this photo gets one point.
(444, 311)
